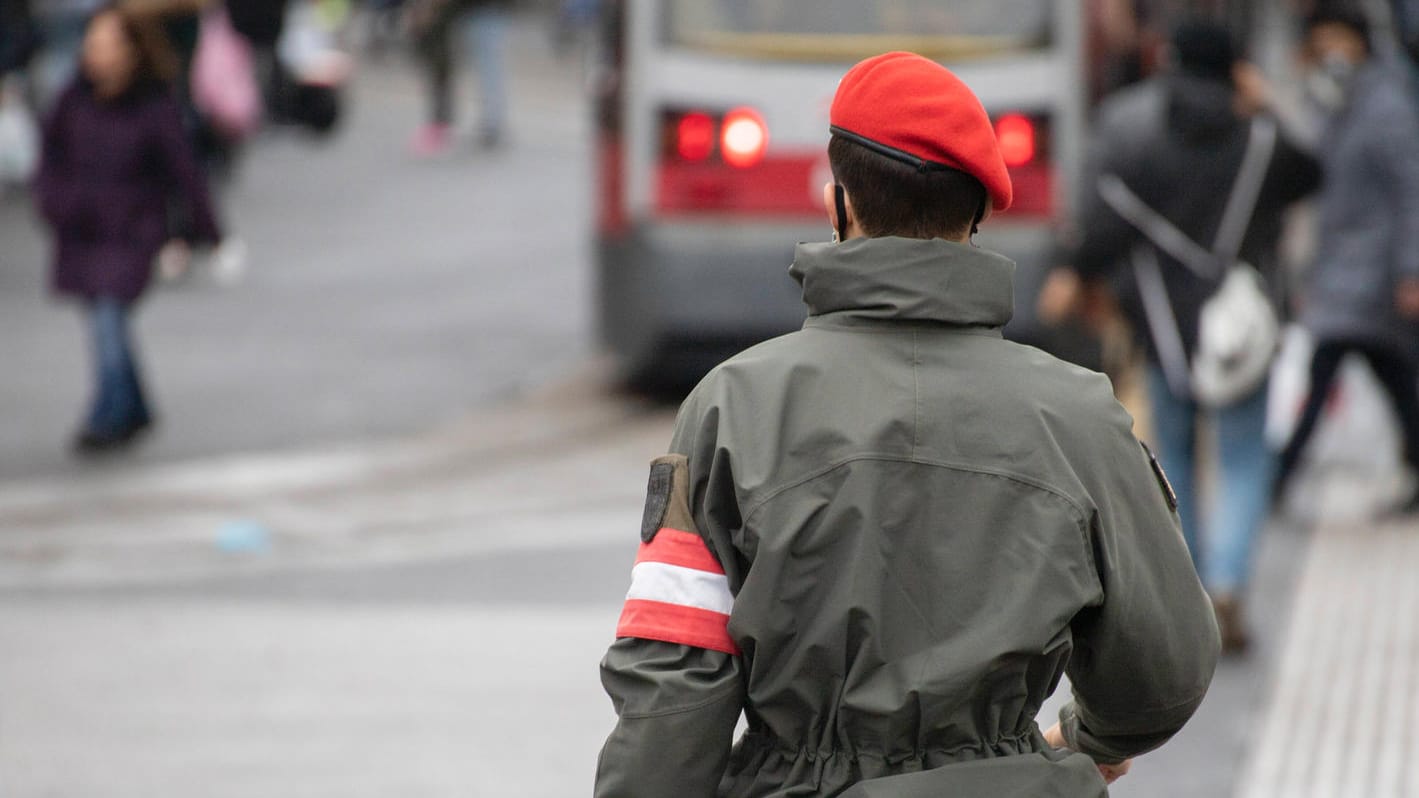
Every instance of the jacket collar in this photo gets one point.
(906, 279)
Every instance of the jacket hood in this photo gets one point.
(906, 279)
(1199, 108)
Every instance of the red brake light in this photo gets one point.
(1016, 136)
(694, 136)
(744, 138)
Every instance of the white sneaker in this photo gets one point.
(229, 261)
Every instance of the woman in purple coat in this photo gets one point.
(114, 155)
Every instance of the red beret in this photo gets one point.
(913, 109)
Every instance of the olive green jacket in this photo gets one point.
(923, 526)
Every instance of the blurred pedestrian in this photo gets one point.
(382, 20)
(1178, 144)
(311, 53)
(18, 38)
(114, 152)
(881, 537)
(262, 22)
(435, 24)
(1362, 292)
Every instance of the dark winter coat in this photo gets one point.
(908, 529)
(107, 173)
(1177, 143)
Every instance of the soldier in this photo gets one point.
(884, 538)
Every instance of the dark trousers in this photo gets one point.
(118, 405)
(435, 45)
(1396, 373)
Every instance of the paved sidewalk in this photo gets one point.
(193, 697)
(494, 481)
(1344, 703)
(545, 489)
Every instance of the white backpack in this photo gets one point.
(1238, 331)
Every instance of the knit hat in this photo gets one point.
(911, 109)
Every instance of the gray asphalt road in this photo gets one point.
(384, 295)
(572, 594)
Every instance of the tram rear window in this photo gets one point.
(844, 30)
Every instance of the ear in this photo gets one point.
(849, 226)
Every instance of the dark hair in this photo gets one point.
(1204, 48)
(1338, 13)
(155, 63)
(891, 198)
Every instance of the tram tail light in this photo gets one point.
(744, 138)
(738, 137)
(1016, 135)
(694, 136)
(716, 162)
(1025, 146)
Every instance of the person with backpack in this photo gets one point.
(1361, 294)
(1187, 178)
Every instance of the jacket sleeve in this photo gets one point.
(1145, 655)
(61, 197)
(674, 674)
(1394, 130)
(677, 707)
(1293, 174)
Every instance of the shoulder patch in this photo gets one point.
(657, 498)
(1158, 474)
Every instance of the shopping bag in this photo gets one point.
(224, 86)
(1289, 385)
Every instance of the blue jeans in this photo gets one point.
(118, 404)
(1222, 549)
